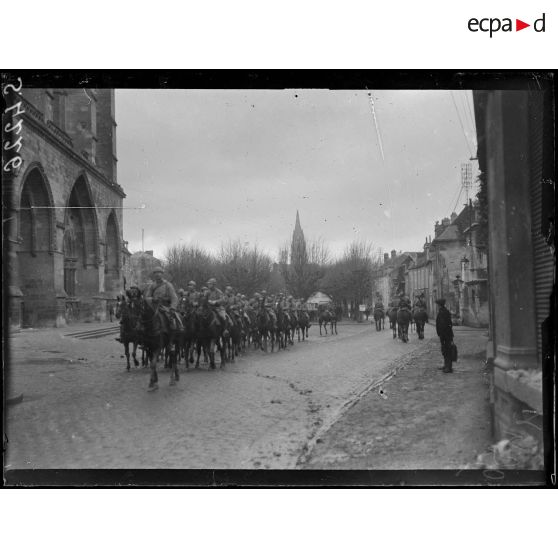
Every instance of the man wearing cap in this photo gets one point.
(161, 292)
(404, 301)
(268, 303)
(444, 330)
(217, 300)
(192, 296)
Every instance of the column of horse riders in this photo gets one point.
(401, 316)
(175, 325)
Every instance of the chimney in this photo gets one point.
(386, 257)
(393, 254)
(446, 222)
(453, 216)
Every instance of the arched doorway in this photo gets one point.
(81, 241)
(112, 255)
(35, 250)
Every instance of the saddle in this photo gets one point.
(170, 319)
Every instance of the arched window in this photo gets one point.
(35, 212)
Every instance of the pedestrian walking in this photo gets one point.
(111, 310)
(444, 330)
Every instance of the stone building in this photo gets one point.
(473, 284)
(140, 269)
(516, 154)
(66, 246)
(389, 279)
(419, 279)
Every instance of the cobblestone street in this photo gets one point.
(82, 409)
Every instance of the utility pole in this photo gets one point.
(142, 248)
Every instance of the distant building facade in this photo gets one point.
(140, 269)
(66, 245)
(388, 280)
(420, 279)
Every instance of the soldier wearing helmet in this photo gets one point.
(191, 295)
(161, 292)
(217, 301)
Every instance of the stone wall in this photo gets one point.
(50, 153)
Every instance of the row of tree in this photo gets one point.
(299, 271)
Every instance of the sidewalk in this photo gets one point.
(421, 419)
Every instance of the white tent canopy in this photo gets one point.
(319, 298)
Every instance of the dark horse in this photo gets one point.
(209, 335)
(187, 336)
(129, 314)
(302, 324)
(160, 334)
(237, 334)
(266, 329)
(325, 317)
(420, 317)
(403, 321)
(392, 315)
(379, 318)
(283, 328)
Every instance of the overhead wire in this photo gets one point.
(461, 124)
(380, 145)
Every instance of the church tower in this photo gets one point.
(298, 248)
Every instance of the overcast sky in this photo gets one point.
(214, 165)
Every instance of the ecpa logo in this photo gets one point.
(494, 24)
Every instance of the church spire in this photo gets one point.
(298, 245)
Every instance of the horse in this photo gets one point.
(403, 320)
(303, 324)
(187, 336)
(379, 318)
(234, 341)
(129, 314)
(283, 328)
(265, 329)
(420, 317)
(159, 333)
(392, 315)
(325, 317)
(209, 336)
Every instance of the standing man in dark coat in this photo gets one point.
(444, 330)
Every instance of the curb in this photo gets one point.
(394, 367)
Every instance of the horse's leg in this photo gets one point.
(127, 353)
(153, 380)
(211, 350)
(199, 350)
(134, 350)
(174, 351)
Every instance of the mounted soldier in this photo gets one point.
(268, 303)
(404, 301)
(420, 302)
(162, 297)
(217, 301)
(192, 296)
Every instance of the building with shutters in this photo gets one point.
(516, 154)
(389, 280)
(66, 249)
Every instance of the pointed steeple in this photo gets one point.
(297, 224)
(298, 245)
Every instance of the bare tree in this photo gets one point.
(189, 263)
(247, 269)
(349, 278)
(318, 252)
